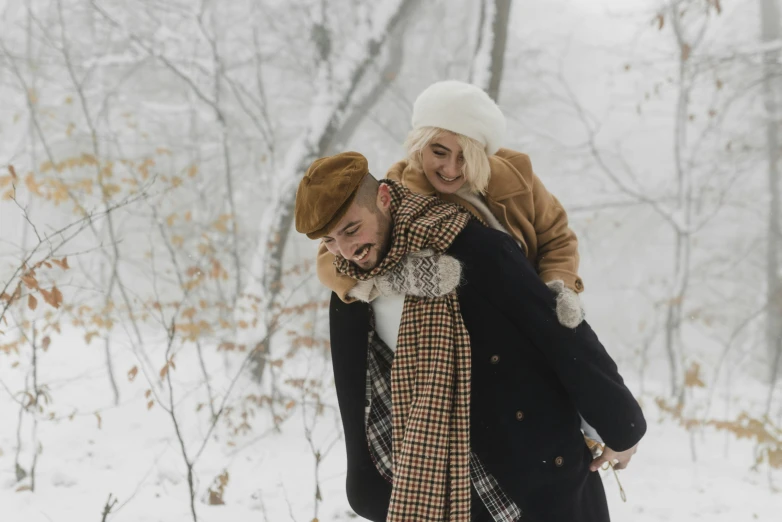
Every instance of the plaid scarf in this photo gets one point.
(430, 378)
(377, 417)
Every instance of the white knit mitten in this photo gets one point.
(422, 274)
(569, 310)
(364, 291)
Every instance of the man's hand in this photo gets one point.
(620, 459)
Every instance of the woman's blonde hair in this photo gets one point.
(476, 169)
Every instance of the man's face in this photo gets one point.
(363, 235)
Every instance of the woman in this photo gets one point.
(453, 152)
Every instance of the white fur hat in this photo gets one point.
(461, 108)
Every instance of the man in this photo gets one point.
(457, 404)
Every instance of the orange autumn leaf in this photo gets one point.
(32, 302)
(62, 263)
(29, 280)
(32, 185)
(164, 370)
(52, 297)
(692, 378)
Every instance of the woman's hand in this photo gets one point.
(620, 459)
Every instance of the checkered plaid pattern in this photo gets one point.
(430, 377)
(378, 425)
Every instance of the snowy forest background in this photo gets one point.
(164, 348)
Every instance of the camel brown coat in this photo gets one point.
(519, 201)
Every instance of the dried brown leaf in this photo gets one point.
(686, 51)
(692, 378)
(62, 263)
(32, 302)
(57, 296)
(215, 499)
(29, 280)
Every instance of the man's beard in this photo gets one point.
(379, 247)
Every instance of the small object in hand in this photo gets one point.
(597, 449)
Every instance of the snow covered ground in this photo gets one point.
(132, 453)
(92, 449)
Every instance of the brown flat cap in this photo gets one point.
(327, 191)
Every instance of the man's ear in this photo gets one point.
(383, 197)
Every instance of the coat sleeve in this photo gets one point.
(557, 244)
(492, 259)
(338, 283)
(396, 170)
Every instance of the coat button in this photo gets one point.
(519, 415)
(495, 359)
(559, 461)
(579, 284)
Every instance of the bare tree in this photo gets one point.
(490, 43)
(314, 142)
(770, 32)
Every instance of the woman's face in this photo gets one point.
(442, 161)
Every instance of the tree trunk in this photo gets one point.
(361, 109)
(490, 43)
(315, 143)
(770, 31)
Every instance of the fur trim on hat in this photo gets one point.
(461, 108)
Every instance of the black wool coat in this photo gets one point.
(531, 377)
